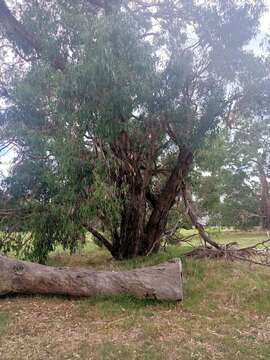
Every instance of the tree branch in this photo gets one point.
(15, 31)
(193, 216)
(100, 237)
(151, 198)
(17, 34)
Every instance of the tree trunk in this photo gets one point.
(161, 282)
(265, 202)
(158, 219)
(127, 239)
(129, 243)
(134, 236)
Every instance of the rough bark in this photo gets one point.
(131, 236)
(136, 237)
(265, 202)
(129, 242)
(161, 282)
(158, 219)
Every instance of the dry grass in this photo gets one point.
(225, 315)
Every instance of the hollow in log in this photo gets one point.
(161, 282)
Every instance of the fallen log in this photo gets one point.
(161, 282)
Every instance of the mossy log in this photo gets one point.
(161, 282)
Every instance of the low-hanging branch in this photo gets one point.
(99, 237)
(194, 218)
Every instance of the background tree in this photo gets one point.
(251, 145)
(250, 136)
(236, 185)
(227, 194)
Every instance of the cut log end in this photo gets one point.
(160, 282)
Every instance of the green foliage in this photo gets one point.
(165, 92)
(50, 227)
(226, 188)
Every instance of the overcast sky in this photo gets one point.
(265, 23)
(265, 20)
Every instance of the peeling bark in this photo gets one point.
(158, 219)
(137, 235)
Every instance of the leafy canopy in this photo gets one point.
(158, 78)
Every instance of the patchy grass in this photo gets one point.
(225, 315)
(4, 322)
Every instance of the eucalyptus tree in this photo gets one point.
(238, 160)
(250, 139)
(227, 193)
(107, 103)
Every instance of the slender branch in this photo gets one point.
(100, 237)
(15, 30)
(193, 217)
(18, 35)
(242, 258)
(267, 241)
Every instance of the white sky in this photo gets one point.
(265, 22)
(5, 163)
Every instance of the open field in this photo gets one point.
(225, 315)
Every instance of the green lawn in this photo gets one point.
(225, 315)
(242, 238)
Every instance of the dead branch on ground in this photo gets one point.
(258, 253)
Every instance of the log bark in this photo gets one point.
(161, 282)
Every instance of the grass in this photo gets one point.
(242, 238)
(225, 315)
(4, 322)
